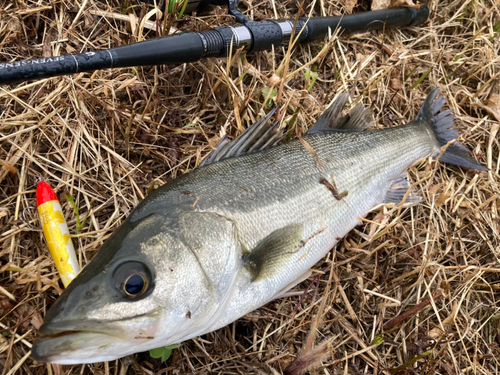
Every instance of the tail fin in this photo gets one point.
(440, 124)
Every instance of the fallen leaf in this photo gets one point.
(376, 222)
(436, 332)
(349, 5)
(494, 103)
(380, 4)
(311, 150)
(404, 3)
(8, 166)
(5, 304)
(396, 84)
(36, 320)
(13, 30)
(46, 49)
(442, 198)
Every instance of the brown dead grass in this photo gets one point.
(109, 137)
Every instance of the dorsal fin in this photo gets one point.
(258, 136)
(358, 118)
(264, 134)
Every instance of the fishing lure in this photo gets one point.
(56, 232)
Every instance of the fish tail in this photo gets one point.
(441, 123)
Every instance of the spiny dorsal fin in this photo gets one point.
(258, 136)
(358, 118)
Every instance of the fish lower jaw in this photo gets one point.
(78, 347)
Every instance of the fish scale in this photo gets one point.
(296, 195)
(286, 190)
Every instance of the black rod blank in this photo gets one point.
(364, 21)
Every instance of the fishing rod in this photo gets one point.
(190, 46)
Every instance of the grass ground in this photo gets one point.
(413, 290)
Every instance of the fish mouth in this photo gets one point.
(71, 327)
(90, 341)
(74, 347)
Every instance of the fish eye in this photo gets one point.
(134, 285)
(133, 279)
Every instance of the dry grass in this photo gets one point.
(107, 138)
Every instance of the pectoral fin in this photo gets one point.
(272, 254)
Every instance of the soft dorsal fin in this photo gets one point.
(358, 118)
(258, 136)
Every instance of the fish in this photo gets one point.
(239, 231)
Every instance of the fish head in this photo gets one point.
(144, 289)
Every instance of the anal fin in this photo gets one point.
(398, 189)
(272, 254)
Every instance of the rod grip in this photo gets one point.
(173, 49)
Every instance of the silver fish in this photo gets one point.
(230, 236)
